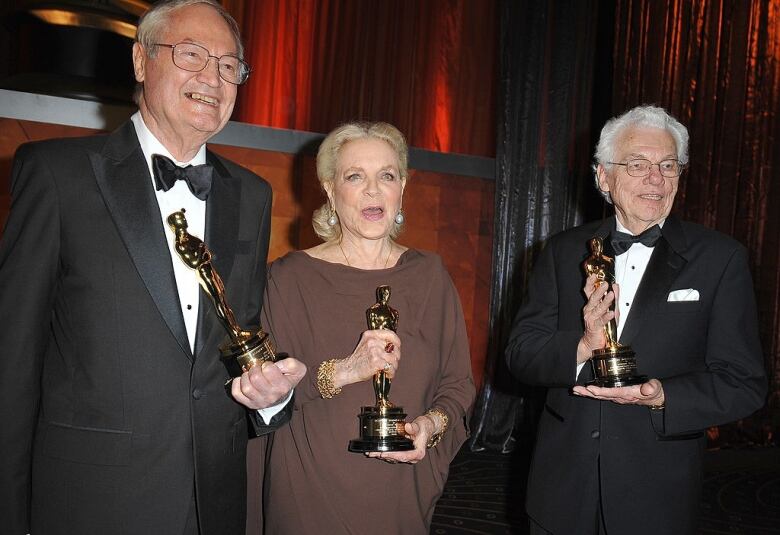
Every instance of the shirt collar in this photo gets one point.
(150, 145)
(621, 228)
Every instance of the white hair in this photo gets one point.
(639, 117)
(152, 24)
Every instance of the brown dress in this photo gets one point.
(316, 311)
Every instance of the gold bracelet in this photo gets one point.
(325, 379)
(445, 421)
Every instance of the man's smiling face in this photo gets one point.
(185, 108)
(641, 202)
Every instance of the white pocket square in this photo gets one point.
(688, 294)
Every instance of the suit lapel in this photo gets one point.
(123, 178)
(603, 230)
(222, 222)
(662, 270)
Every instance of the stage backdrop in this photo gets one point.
(427, 67)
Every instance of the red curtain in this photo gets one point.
(428, 67)
(715, 65)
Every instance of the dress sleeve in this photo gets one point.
(455, 390)
(278, 319)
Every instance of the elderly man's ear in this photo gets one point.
(602, 174)
(139, 62)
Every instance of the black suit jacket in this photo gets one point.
(110, 423)
(644, 464)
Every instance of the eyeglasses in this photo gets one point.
(194, 58)
(640, 167)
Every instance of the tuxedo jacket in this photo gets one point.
(111, 424)
(644, 465)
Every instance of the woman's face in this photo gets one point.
(367, 188)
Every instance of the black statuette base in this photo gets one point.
(615, 367)
(381, 429)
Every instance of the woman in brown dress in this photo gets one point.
(315, 308)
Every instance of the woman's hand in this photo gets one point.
(378, 350)
(420, 431)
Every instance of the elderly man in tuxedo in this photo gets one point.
(115, 411)
(628, 459)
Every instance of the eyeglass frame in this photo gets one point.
(650, 168)
(241, 63)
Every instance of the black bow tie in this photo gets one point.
(197, 177)
(622, 242)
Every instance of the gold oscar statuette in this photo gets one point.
(244, 349)
(615, 364)
(381, 425)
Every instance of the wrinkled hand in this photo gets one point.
(269, 383)
(378, 350)
(595, 315)
(420, 431)
(649, 393)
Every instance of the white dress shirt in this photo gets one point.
(179, 197)
(630, 266)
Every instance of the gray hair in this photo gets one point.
(152, 24)
(639, 117)
(327, 158)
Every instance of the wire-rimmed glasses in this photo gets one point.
(640, 167)
(194, 58)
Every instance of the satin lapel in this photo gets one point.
(662, 270)
(222, 221)
(124, 181)
(607, 226)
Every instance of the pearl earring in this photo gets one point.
(332, 220)
(399, 217)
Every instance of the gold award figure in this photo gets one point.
(380, 315)
(244, 349)
(382, 425)
(615, 364)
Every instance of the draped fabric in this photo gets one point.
(714, 65)
(542, 179)
(427, 67)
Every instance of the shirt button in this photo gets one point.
(189, 307)
(594, 434)
(197, 394)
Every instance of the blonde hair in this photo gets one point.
(327, 158)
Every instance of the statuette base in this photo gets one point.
(251, 350)
(615, 367)
(381, 429)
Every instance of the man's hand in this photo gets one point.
(650, 393)
(269, 383)
(595, 314)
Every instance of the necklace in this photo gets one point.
(389, 254)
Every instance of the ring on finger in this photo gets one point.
(387, 366)
(389, 347)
